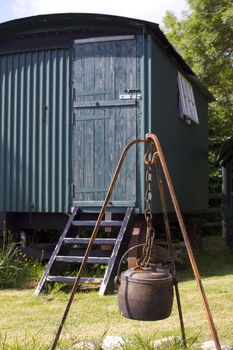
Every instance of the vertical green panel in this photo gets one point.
(35, 122)
(185, 147)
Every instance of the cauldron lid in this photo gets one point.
(146, 274)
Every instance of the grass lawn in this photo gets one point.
(24, 316)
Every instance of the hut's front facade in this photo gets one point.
(74, 89)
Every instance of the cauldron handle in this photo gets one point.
(117, 279)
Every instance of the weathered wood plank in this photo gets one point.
(120, 86)
(119, 192)
(78, 171)
(70, 279)
(95, 117)
(99, 150)
(99, 241)
(114, 204)
(99, 161)
(130, 124)
(89, 85)
(78, 73)
(79, 259)
(111, 223)
(110, 103)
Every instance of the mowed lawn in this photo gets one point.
(24, 315)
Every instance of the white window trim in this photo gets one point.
(188, 105)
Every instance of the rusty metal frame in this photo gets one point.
(170, 248)
(154, 139)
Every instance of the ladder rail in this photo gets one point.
(107, 285)
(55, 252)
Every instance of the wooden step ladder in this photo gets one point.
(65, 241)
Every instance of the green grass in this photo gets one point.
(24, 316)
(16, 270)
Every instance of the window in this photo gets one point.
(187, 105)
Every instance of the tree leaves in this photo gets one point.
(204, 37)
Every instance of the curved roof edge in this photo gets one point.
(18, 27)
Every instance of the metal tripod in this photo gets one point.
(160, 161)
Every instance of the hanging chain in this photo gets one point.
(149, 159)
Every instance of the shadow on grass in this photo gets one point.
(213, 259)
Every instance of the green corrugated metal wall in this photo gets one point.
(34, 129)
(185, 147)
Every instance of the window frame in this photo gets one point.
(186, 100)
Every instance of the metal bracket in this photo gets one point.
(131, 94)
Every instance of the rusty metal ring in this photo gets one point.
(153, 160)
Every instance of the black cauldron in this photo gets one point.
(145, 294)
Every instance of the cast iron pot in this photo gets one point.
(145, 295)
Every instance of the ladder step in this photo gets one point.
(111, 241)
(69, 279)
(78, 259)
(90, 223)
(76, 254)
(96, 210)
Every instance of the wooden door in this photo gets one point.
(105, 104)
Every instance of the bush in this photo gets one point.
(16, 270)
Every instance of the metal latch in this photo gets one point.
(131, 94)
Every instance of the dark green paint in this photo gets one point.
(34, 127)
(59, 150)
(185, 147)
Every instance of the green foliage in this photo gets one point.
(204, 37)
(8, 269)
(95, 270)
(16, 270)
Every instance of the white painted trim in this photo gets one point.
(105, 38)
(187, 99)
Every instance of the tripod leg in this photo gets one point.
(180, 314)
(170, 249)
(186, 239)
